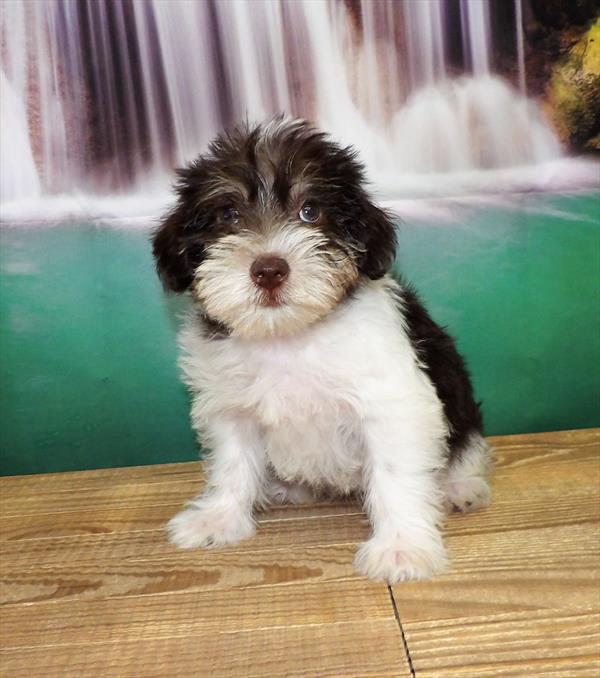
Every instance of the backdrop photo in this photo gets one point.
(479, 125)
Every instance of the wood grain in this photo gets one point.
(522, 597)
(103, 521)
(90, 586)
(76, 481)
(177, 614)
(303, 531)
(37, 499)
(184, 571)
(360, 649)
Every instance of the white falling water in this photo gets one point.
(255, 56)
(425, 38)
(475, 19)
(470, 123)
(331, 97)
(520, 46)
(106, 96)
(41, 62)
(195, 116)
(19, 174)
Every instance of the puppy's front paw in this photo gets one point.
(208, 528)
(396, 559)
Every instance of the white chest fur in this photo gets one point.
(310, 394)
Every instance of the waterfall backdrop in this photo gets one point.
(104, 97)
(448, 101)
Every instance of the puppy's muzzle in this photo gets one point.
(269, 272)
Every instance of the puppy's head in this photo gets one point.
(272, 229)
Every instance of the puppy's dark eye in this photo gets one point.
(309, 212)
(230, 215)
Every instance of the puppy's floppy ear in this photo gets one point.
(173, 263)
(379, 240)
(177, 243)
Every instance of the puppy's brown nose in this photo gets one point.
(269, 272)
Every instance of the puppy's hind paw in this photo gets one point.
(395, 560)
(467, 494)
(280, 492)
(208, 528)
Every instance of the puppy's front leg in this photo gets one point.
(402, 495)
(222, 514)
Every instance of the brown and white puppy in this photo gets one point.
(311, 368)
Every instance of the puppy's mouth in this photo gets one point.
(271, 299)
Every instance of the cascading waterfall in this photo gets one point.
(475, 17)
(20, 180)
(425, 41)
(520, 46)
(104, 96)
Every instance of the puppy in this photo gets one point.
(311, 368)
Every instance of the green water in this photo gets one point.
(88, 348)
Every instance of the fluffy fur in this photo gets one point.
(337, 379)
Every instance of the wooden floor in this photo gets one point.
(90, 587)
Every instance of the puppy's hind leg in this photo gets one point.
(465, 483)
(278, 491)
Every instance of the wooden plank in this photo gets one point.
(358, 649)
(37, 499)
(535, 643)
(278, 534)
(545, 578)
(548, 441)
(91, 587)
(93, 521)
(110, 589)
(178, 614)
(74, 481)
(184, 571)
(155, 566)
(522, 597)
(143, 485)
(82, 501)
(96, 521)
